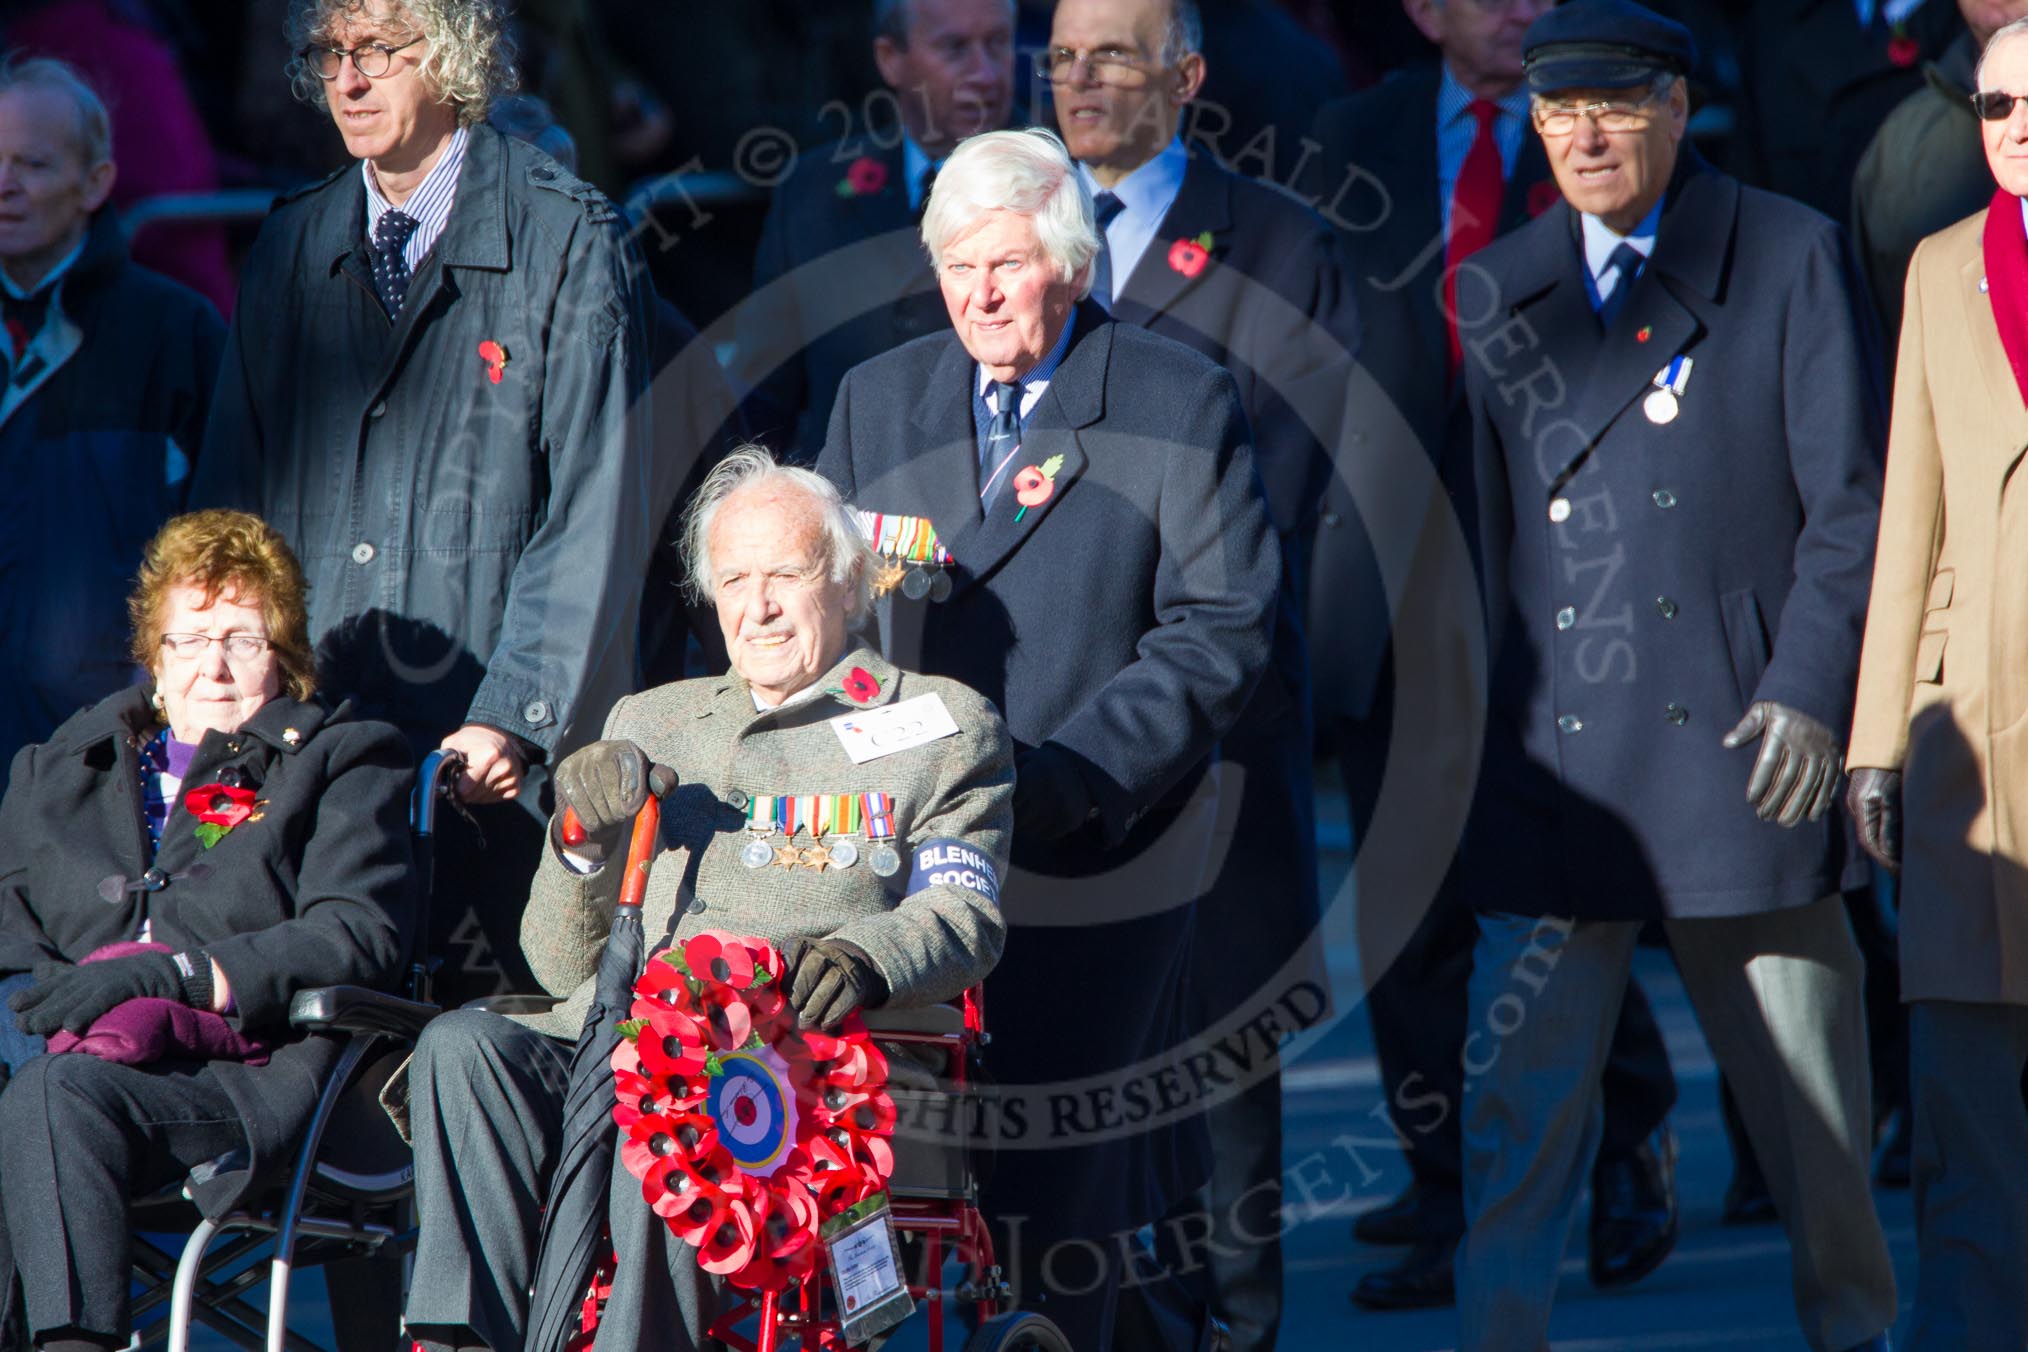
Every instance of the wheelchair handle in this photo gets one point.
(440, 770)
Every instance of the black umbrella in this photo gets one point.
(578, 1190)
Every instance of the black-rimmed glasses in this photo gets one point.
(371, 59)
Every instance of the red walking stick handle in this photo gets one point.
(641, 847)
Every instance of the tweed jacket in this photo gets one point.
(928, 943)
(1943, 682)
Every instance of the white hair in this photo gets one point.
(2013, 29)
(1027, 172)
(752, 468)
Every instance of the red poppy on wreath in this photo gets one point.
(218, 808)
(1903, 50)
(860, 686)
(745, 1133)
(1542, 196)
(1188, 256)
(864, 176)
(495, 357)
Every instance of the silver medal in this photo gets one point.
(884, 860)
(915, 584)
(1661, 407)
(844, 854)
(757, 853)
(940, 586)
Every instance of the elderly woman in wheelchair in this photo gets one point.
(805, 815)
(175, 863)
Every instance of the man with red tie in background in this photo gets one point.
(1418, 174)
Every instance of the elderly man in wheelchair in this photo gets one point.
(803, 816)
(177, 863)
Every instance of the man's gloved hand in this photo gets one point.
(1796, 774)
(1051, 798)
(828, 979)
(72, 998)
(605, 783)
(1874, 799)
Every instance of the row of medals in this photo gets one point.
(840, 852)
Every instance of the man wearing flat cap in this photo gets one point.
(1675, 473)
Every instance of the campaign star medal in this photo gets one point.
(787, 856)
(910, 540)
(1664, 401)
(815, 857)
(1036, 485)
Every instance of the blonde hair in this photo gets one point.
(469, 63)
(223, 551)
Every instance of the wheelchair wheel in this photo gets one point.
(1018, 1331)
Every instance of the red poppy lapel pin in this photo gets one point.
(218, 808)
(1903, 50)
(1036, 485)
(863, 177)
(1188, 256)
(495, 357)
(860, 686)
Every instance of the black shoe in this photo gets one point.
(1891, 1161)
(1423, 1281)
(1747, 1200)
(1633, 1212)
(1395, 1222)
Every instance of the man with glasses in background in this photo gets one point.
(1252, 280)
(1677, 431)
(436, 393)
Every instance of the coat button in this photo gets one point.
(696, 906)
(1676, 714)
(1559, 510)
(1666, 607)
(378, 411)
(1330, 518)
(738, 799)
(1664, 499)
(1570, 723)
(536, 711)
(154, 880)
(362, 552)
(1566, 617)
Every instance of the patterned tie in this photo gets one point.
(1003, 439)
(1628, 260)
(1105, 206)
(390, 267)
(1475, 210)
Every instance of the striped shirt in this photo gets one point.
(429, 205)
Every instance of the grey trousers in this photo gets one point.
(1779, 996)
(485, 1113)
(1971, 1176)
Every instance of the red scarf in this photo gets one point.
(2006, 248)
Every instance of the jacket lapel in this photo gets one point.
(1075, 399)
(2003, 393)
(946, 473)
(1203, 205)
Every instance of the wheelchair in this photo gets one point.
(350, 1190)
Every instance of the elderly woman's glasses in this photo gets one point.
(238, 647)
(1109, 66)
(1560, 119)
(371, 59)
(1994, 106)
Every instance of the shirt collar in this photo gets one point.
(50, 278)
(1601, 239)
(430, 203)
(1037, 376)
(1150, 189)
(1454, 100)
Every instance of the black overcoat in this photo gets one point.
(1125, 620)
(1703, 562)
(316, 890)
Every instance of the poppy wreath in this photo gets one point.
(747, 1132)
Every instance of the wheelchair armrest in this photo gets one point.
(513, 1004)
(355, 1009)
(929, 1020)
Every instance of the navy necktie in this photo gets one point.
(390, 265)
(929, 183)
(1105, 206)
(1627, 259)
(1003, 439)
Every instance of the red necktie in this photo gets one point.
(1475, 210)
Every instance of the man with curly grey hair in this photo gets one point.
(436, 393)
